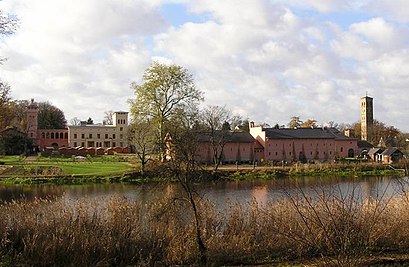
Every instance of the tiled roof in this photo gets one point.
(364, 144)
(306, 133)
(391, 151)
(374, 151)
(231, 137)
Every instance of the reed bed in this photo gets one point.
(329, 229)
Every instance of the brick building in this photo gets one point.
(84, 135)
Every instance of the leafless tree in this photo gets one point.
(216, 119)
(109, 117)
(75, 121)
(143, 139)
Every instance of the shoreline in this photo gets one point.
(225, 172)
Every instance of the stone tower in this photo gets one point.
(32, 120)
(366, 118)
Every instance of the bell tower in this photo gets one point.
(32, 119)
(366, 118)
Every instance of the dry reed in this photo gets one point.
(334, 229)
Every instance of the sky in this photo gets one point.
(266, 60)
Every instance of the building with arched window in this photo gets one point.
(83, 135)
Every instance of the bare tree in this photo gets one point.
(8, 25)
(75, 121)
(185, 167)
(215, 119)
(109, 117)
(142, 138)
(5, 101)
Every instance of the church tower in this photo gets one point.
(32, 119)
(366, 118)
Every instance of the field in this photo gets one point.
(42, 167)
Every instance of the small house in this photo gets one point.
(391, 155)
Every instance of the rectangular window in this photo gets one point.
(90, 135)
(82, 144)
(121, 128)
(106, 136)
(113, 136)
(99, 136)
(121, 136)
(75, 144)
(82, 136)
(113, 144)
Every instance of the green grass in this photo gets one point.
(8, 160)
(95, 168)
(101, 166)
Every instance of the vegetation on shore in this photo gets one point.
(329, 229)
(113, 169)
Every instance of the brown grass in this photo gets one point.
(329, 229)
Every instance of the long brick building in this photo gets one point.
(83, 135)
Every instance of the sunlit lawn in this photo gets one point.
(90, 166)
(94, 168)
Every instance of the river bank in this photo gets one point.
(16, 170)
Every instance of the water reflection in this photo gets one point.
(220, 192)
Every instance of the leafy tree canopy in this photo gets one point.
(50, 117)
(165, 92)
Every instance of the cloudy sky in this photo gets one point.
(267, 60)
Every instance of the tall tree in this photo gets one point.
(215, 119)
(50, 117)
(109, 117)
(183, 147)
(142, 138)
(8, 24)
(165, 90)
(5, 102)
(310, 123)
(75, 121)
(295, 122)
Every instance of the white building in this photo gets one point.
(105, 136)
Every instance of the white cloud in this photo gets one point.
(264, 59)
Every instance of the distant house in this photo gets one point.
(374, 154)
(233, 146)
(364, 148)
(304, 144)
(84, 135)
(105, 136)
(237, 147)
(391, 155)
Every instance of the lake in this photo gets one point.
(220, 192)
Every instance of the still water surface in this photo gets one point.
(220, 192)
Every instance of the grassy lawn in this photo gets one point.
(95, 168)
(15, 166)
